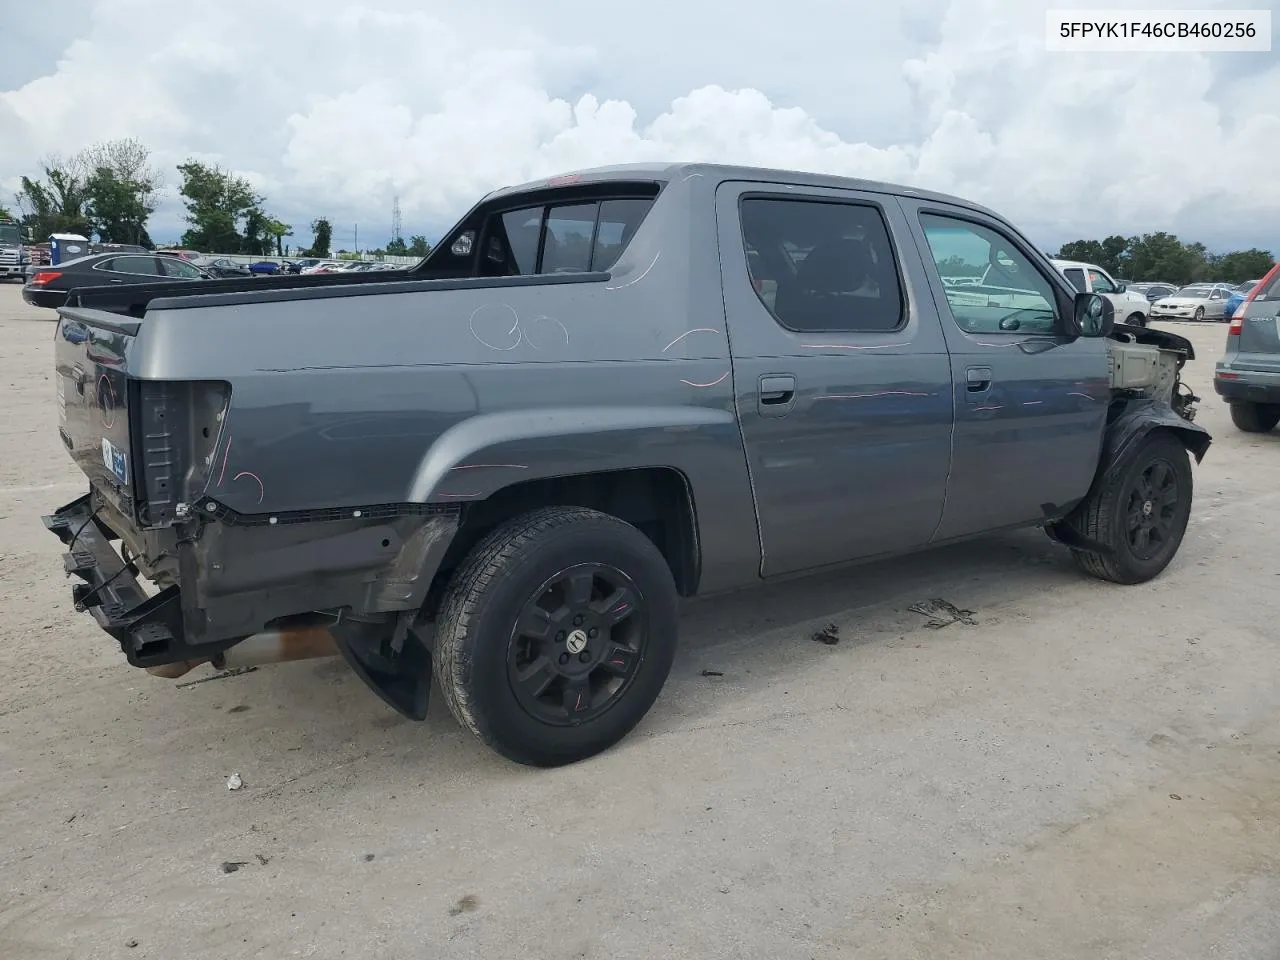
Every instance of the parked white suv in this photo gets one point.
(1131, 306)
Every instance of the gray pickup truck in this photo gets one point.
(602, 392)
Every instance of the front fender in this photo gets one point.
(1138, 420)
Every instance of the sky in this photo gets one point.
(334, 107)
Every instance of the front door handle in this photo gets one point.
(777, 392)
(977, 379)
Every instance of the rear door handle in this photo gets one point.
(977, 379)
(777, 392)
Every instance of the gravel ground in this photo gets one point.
(1085, 771)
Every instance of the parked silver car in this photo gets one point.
(1199, 301)
(1248, 375)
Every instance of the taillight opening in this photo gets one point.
(45, 276)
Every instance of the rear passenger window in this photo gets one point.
(822, 266)
(1076, 276)
(1001, 292)
(141, 265)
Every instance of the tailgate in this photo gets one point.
(91, 356)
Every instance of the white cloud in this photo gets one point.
(333, 106)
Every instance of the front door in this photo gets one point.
(1030, 404)
(841, 374)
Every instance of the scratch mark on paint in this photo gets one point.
(718, 379)
(262, 492)
(1083, 396)
(692, 175)
(687, 333)
(993, 406)
(225, 453)
(653, 264)
(540, 319)
(867, 396)
(850, 346)
(515, 326)
(495, 466)
(1032, 403)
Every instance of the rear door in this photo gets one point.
(1030, 404)
(841, 375)
(1257, 346)
(130, 269)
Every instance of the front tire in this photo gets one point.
(1140, 512)
(1255, 417)
(1199, 314)
(1136, 320)
(556, 635)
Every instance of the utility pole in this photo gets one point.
(395, 217)
(357, 239)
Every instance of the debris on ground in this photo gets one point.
(465, 905)
(131, 944)
(942, 613)
(368, 857)
(830, 635)
(233, 672)
(712, 673)
(231, 866)
(234, 782)
(261, 859)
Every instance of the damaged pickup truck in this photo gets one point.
(601, 393)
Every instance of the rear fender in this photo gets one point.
(480, 455)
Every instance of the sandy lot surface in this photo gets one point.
(1088, 771)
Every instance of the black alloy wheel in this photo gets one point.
(576, 644)
(1152, 509)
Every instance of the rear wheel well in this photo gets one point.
(655, 500)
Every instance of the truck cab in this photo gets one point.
(13, 254)
(1131, 306)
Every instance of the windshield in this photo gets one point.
(10, 235)
(1195, 291)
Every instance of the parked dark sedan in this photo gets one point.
(49, 286)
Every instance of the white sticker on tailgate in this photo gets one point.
(115, 460)
(62, 400)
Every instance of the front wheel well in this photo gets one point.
(656, 500)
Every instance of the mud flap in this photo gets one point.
(402, 680)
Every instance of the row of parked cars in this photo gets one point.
(48, 285)
(1139, 302)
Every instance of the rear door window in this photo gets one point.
(1076, 276)
(822, 265)
(143, 266)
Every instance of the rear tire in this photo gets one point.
(512, 653)
(1141, 513)
(1255, 417)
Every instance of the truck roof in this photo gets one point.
(688, 170)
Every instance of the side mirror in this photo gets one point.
(1121, 287)
(1093, 315)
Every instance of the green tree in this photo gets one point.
(1241, 265)
(57, 203)
(418, 246)
(397, 248)
(322, 236)
(121, 186)
(225, 213)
